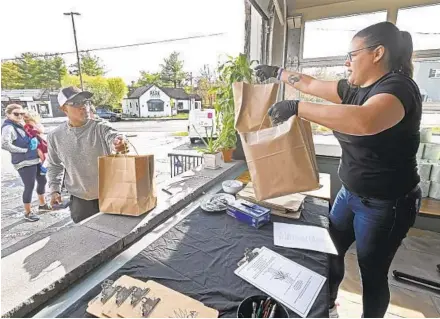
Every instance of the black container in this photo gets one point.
(245, 308)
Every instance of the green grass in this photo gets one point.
(182, 116)
(180, 134)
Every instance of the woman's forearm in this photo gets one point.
(348, 119)
(327, 90)
(298, 80)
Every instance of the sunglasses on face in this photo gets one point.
(350, 54)
(79, 104)
(18, 113)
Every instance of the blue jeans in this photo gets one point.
(378, 227)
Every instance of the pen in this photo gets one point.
(272, 313)
(260, 309)
(254, 309)
(266, 309)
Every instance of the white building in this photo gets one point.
(34, 100)
(154, 101)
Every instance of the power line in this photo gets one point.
(118, 46)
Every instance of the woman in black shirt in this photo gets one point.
(376, 119)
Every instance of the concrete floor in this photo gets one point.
(418, 255)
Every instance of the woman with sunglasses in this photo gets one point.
(25, 159)
(375, 116)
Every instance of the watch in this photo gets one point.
(293, 78)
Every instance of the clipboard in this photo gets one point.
(291, 284)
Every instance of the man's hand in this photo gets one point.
(282, 111)
(55, 199)
(120, 145)
(265, 72)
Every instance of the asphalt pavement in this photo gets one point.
(149, 137)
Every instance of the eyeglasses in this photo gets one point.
(350, 54)
(79, 104)
(18, 114)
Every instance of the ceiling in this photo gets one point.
(293, 4)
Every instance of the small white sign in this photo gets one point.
(303, 237)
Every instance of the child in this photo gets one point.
(34, 129)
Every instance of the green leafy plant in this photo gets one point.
(212, 145)
(236, 69)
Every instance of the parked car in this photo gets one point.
(109, 115)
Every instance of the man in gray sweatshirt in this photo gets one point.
(73, 151)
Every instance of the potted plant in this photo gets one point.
(212, 158)
(233, 70)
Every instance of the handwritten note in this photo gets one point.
(303, 237)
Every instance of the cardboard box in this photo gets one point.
(252, 214)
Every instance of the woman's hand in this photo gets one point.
(282, 111)
(265, 72)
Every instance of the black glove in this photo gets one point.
(265, 72)
(282, 111)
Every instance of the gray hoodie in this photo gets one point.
(76, 150)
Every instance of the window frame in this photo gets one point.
(333, 61)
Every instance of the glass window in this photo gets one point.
(422, 23)
(427, 77)
(332, 73)
(331, 37)
(155, 106)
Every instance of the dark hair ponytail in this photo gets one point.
(398, 45)
(405, 65)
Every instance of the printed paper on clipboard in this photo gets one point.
(286, 281)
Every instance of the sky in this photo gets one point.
(40, 26)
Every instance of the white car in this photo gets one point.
(204, 122)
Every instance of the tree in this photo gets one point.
(11, 77)
(147, 78)
(106, 91)
(39, 72)
(172, 73)
(118, 90)
(91, 65)
(205, 84)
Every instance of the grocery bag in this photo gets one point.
(281, 159)
(127, 184)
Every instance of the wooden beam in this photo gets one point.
(279, 12)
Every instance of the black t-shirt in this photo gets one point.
(382, 165)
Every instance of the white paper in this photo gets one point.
(284, 280)
(303, 237)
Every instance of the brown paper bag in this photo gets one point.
(281, 160)
(127, 184)
(251, 105)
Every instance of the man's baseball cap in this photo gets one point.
(72, 94)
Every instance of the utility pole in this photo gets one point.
(71, 14)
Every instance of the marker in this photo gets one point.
(254, 309)
(260, 309)
(272, 313)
